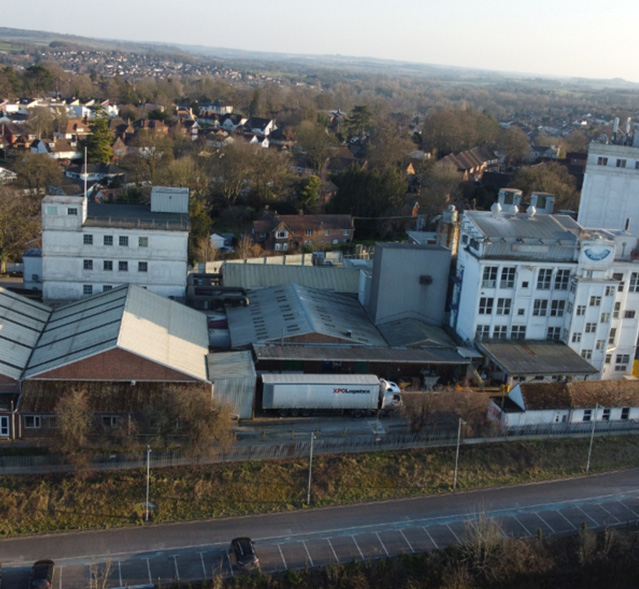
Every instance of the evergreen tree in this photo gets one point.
(98, 144)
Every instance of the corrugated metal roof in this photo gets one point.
(532, 358)
(130, 318)
(21, 323)
(292, 311)
(331, 353)
(233, 376)
(224, 365)
(412, 332)
(337, 279)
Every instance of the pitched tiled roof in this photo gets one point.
(580, 394)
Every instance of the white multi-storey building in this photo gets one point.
(544, 277)
(611, 184)
(90, 247)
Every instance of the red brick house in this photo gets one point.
(293, 232)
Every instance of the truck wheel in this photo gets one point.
(283, 412)
(294, 412)
(306, 412)
(358, 413)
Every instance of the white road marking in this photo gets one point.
(148, 568)
(629, 509)
(332, 549)
(60, 577)
(228, 557)
(430, 538)
(308, 553)
(610, 514)
(177, 573)
(522, 525)
(203, 567)
(380, 541)
(283, 559)
(574, 527)
(358, 548)
(546, 523)
(407, 542)
(120, 572)
(453, 533)
(591, 519)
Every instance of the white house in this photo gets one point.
(89, 248)
(529, 276)
(614, 404)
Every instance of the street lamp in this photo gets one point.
(592, 436)
(461, 421)
(310, 471)
(148, 473)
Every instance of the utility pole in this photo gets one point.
(461, 421)
(310, 471)
(148, 473)
(592, 436)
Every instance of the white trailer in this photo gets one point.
(303, 394)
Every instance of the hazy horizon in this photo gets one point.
(567, 39)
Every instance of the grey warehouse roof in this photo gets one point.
(133, 216)
(335, 278)
(547, 228)
(21, 323)
(292, 310)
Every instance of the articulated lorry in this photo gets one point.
(304, 394)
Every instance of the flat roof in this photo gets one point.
(133, 216)
(535, 357)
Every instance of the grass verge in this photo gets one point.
(46, 503)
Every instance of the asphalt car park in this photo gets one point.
(277, 554)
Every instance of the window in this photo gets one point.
(615, 313)
(621, 163)
(618, 276)
(347, 232)
(524, 284)
(327, 232)
(500, 332)
(562, 279)
(629, 315)
(72, 211)
(581, 309)
(507, 278)
(489, 279)
(600, 344)
(108, 240)
(285, 246)
(142, 266)
(576, 337)
(587, 414)
(503, 306)
(106, 287)
(123, 266)
(612, 335)
(521, 311)
(625, 413)
(143, 242)
(110, 421)
(107, 265)
(52, 210)
(485, 306)
(633, 285)
(482, 332)
(87, 239)
(87, 289)
(586, 354)
(591, 327)
(608, 358)
(540, 307)
(605, 415)
(308, 232)
(595, 301)
(557, 308)
(87, 264)
(518, 332)
(569, 307)
(544, 279)
(123, 241)
(602, 161)
(605, 317)
(610, 291)
(553, 334)
(621, 362)
(32, 421)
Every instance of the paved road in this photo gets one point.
(196, 550)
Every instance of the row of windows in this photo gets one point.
(619, 162)
(108, 240)
(605, 415)
(500, 332)
(504, 307)
(545, 278)
(35, 421)
(123, 266)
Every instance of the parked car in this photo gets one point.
(41, 574)
(244, 552)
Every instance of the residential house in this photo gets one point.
(292, 232)
(230, 122)
(470, 164)
(105, 173)
(260, 126)
(58, 149)
(7, 176)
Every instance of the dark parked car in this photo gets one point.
(244, 552)
(41, 574)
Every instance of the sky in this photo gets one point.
(585, 38)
